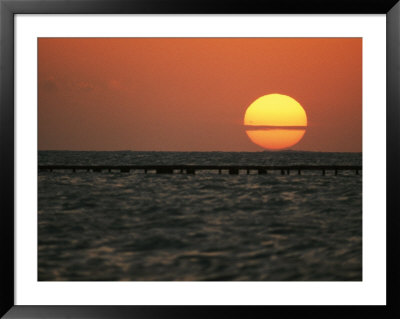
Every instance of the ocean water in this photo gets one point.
(177, 227)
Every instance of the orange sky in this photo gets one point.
(163, 94)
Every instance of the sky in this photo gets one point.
(191, 94)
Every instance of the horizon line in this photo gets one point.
(261, 151)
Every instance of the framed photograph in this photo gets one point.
(177, 159)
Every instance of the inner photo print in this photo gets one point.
(200, 159)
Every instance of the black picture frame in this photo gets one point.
(8, 9)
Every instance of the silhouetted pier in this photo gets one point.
(192, 169)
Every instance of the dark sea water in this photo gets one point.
(139, 227)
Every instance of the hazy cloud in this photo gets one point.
(114, 84)
(85, 86)
(50, 84)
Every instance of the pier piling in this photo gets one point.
(164, 170)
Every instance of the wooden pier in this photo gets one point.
(192, 169)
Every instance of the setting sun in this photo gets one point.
(275, 121)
